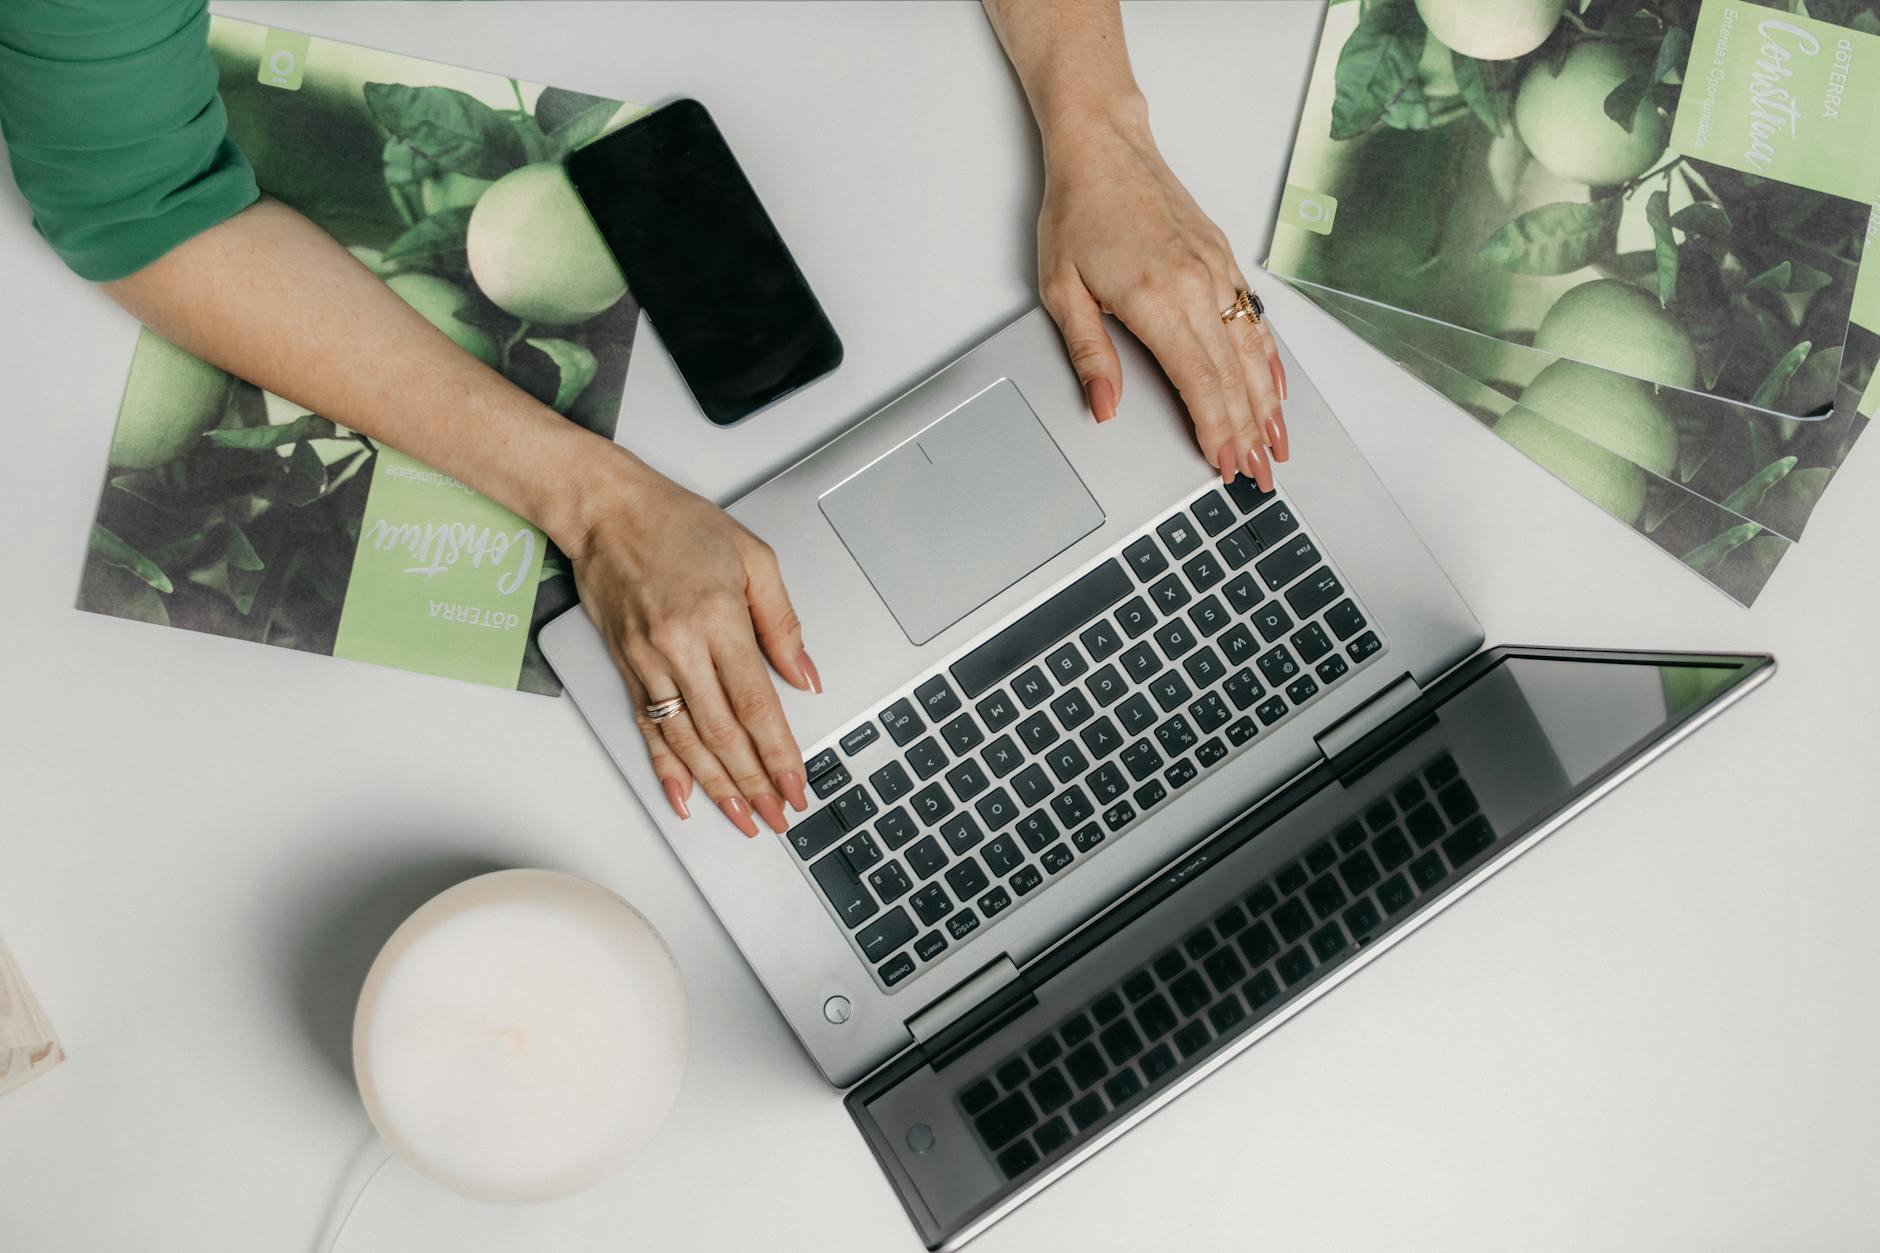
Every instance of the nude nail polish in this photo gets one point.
(1258, 469)
(676, 795)
(1279, 377)
(790, 783)
(1102, 399)
(1227, 462)
(1276, 437)
(771, 810)
(739, 813)
(808, 670)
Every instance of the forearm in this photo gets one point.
(1071, 59)
(273, 299)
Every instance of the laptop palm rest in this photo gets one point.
(961, 511)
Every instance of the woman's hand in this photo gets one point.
(691, 604)
(1119, 234)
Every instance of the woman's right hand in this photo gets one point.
(691, 604)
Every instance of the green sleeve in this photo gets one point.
(115, 132)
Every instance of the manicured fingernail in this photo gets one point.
(772, 811)
(1276, 437)
(1279, 378)
(807, 669)
(1226, 462)
(676, 795)
(739, 813)
(790, 783)
(1102, 398)
(1258, 469)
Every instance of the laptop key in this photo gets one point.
(1345, 619)
(1277, 665)
(861, 852)
(1106, 686)
(1325, 896)
(885, 934)
(930, 946)
(1136, 714)
(961, 833)
(1332, 669)
(967, 880)
(1031, 688)
(993, 903)
(829, 782)
(1055, 858)
(1225, 1012)
(1085, 1065)
(1204, 667)
(1393, 850)
(1169, 593)
(927, 758)
(853, 808)
(1150, 794)
(853, 904)
(967, 780)
(1087, 837)
(1314, 592)
(890, 882)
(1181, 774)
(1210, 714)
(1363, 646)
(1273, 524)
(1272, 621)
(1475, 836)
(1175, 637)
(1329, 941)
(1213, 513)
(1145, 558)
(926, 858)
(1156, 1017)
(1176, 736)
(1031, 785)
(1295, 967)
(1191, 992)
(1135, 616)
(1002, 856)
(1036, 830)
(962, 735)
(891, 782)
(810, 836)
(1194, 1037)
(1071, 806)
(1242, 593)
(1038, 732)
(931, 804)
(931, 903)
(1260, 990)
(1287, 562)
(1051, 1091)
(1085, 1113)
(1002, 756)
(897, 968)
(1291, 920)
(1238, 644)
(1425, 824)
(979, 1097)
(895, 828)
(1311, 642)
(996, 711)
(1428, 870)
(1012, 1073)
(1240, 731)
(1237, 548)
(1321, 857)
(1208, 614)
(937, 698)
(1025, 880)
(1359, 872)
(1017, 1159)
(903, 723)
(1243, 688)
(1246, 494)
(996, 808)
(1203, 570)
(1211, 753)
(1169, 690)
(1072, 709)
(1118, 816)
(1362, 920)
(1065, 612)
(1457, 800)
(1301, 689)
(1006, 1120)
(822, 762)
(1141, 760)
(1101, 738)
(1066, 663)
(1122, 1088)
(1290, 879)
(858, 739)
(1257, 944)
(1394, 894)
(1067, 761)
(1179, 535)
(1120, 1040)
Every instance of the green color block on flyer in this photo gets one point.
(1309, 210)
(1782, 96)
(283, 59)
(444, 578)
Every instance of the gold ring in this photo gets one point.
(659, 711)
(1246, 305)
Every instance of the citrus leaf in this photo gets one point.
(574, 365)
(114, 551)
(434, 241)
(1622, 102)
(1410, 111)
(1555, 238)
(254, 438)
(1700, 217)
(556, 105)
(1790, 277)
(1706, 556)
(529, 131)
(1473, 79)
(305, 480)
(1671, 54)
(455, 131)
(1377, 62)
(1750, 494)
(582, 128)
(1664, 245)
(1778, 380)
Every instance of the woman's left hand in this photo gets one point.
(1119, 234)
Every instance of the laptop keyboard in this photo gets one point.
(996, 776)
(1144, 1032)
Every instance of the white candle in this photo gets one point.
(520, 1034)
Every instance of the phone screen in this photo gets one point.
(705, 262)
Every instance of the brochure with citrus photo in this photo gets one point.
(232, 511)
(1674, 190)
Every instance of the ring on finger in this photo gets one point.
(1246, 305)
(662, 710)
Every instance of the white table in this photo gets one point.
(1655, 1032)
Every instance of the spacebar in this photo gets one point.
(1044, 626)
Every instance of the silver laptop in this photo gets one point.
(1115, 768)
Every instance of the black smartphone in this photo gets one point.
(705, 261)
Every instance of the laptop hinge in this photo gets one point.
(978, 1005)
(1355, 741)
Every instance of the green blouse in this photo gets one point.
(114, 130)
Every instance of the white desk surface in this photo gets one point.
(1655, 1032)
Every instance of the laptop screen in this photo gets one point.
(1263, 917)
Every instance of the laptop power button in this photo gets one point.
(836, 1009)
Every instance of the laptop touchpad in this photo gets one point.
(962, 511)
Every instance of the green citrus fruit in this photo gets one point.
(1606, 479)
(171, 399)
(1562, 118)
(1497, 31)
(451, 191)
(1619, 414)
(1621, 327)
(535, 251)
(441, 302)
